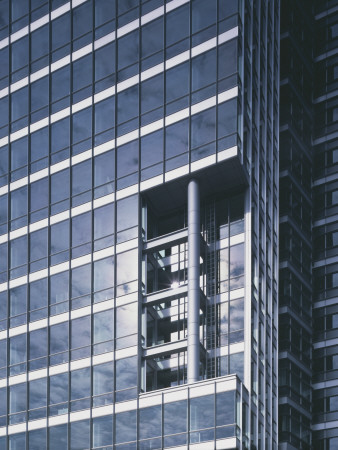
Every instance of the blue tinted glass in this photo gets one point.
(38, 294)
(127, 213)
(82, 19)
(203, 128)
(152, 93)
(125, 426)
(177, 25)
(80, 383)
(81, 229)
(37, 439)
(103, 326)
(19, 251)
(59, 337)
(81, 280)
(104, 115)
(204, 70)
(39, 144)
(127, 104)
(105, 62)
(58, 388)
(38, 343)
(103, 378)
(19, 202)
(19, 103)
(17, 349)
(103, 221)
(104, 11)
(127, 159)
(60, 135)
(17, 441)
(18, 300)
(37, 393)
(104, 169)
(39, 194)
(59, 237)
(61, 31)
(177, 82)
(177, 139)
(80, 435)
(19, 9)
(81, 177)
(126, 373)
(4, 119)
(82, 125)
(152, 149)
(128, 49)
(19, 153)
(58, 437)
(59, 287)
(3, 209)
(227, 118)
(103, 274)
(102, 430)
(175, 417)
(203, 14)
(60, 186)
(82, 72)
(40, 42)
(202, 412)
(20, 53)
(80, 335)
(3, 402)
(60, 83)
(152, 37)
(150, 422)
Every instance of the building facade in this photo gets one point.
(325, 229)
(139, 222)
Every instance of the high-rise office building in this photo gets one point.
(139, 224)
(325, 228)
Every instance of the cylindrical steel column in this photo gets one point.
(194, 236)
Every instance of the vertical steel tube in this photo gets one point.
(193, 281)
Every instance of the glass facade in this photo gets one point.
(139, 224)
